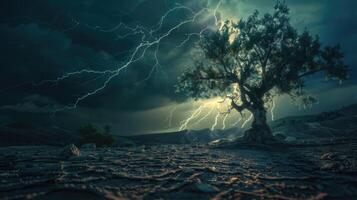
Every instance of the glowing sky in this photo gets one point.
(44, 39)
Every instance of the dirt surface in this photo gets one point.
(180, 172)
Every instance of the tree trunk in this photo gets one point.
(260, 131)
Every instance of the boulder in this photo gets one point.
(328, 156)
(70, 151)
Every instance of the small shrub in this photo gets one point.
(91, 134)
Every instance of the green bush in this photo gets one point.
(91, 134)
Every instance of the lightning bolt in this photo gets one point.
(194, 114)
(169, 118)
(138, 52)
(161, 22)
(236, 122)
(215, 122)
(149, 39)
(247, 120)
(272, 110)
(224, 121)
(216, 11)
(204, 117)
(190, 35)
(71, 74)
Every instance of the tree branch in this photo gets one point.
(311, 72)
(260, 57)
(232, 78)
(237, 107)
(266, 61)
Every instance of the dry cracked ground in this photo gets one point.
(180, 172)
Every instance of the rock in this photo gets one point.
(204, 188)
(70, 151)
(329, 166)
(221, 142)
(328, 156)
(89, 146)
(290, 139)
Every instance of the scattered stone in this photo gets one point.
(177, 172)
(329, 166)
(70, 151)
(328, 156)
(89, 146)
(290, 139)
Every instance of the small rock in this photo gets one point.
(329, 166)
(290, 139)
(204, 188)
(327, 156)
(70, 150)
(89, 146)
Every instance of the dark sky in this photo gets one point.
(45, 39)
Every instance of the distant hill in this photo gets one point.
(339, 123)
(26, 134)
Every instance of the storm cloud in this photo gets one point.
(44, 39)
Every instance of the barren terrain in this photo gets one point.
(180, 172)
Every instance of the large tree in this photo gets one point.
(251, 61)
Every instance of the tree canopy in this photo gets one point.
(255, 59)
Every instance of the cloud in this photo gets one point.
(50, 50)
(45, 39)
(34, 104)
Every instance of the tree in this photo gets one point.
(251, 61)
(91, 134)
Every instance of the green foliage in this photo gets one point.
(263, 56)
(91, 134)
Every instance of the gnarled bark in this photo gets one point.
(260, 131)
